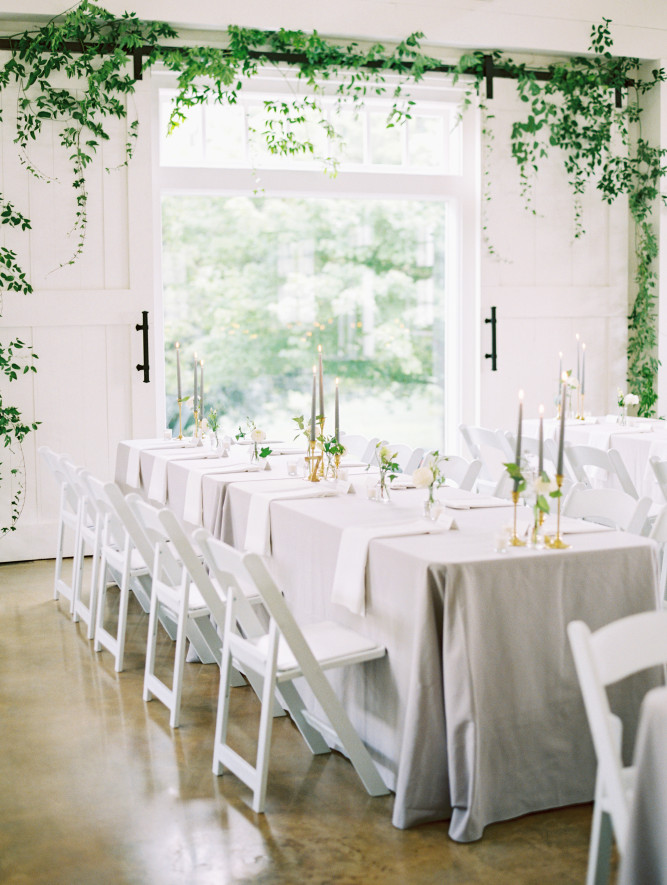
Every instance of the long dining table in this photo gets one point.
(475, 714)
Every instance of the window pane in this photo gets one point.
(426, 142)
(184, 146)
(255, 284)
(386, 145)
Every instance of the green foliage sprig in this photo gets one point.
(574, 114)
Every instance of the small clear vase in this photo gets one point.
(430, 505)
(254, 454)
(622, 415)
(536, 536)
(383, 490)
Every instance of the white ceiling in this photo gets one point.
(638, 27)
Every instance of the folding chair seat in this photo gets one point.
(173, 592)
(68, 521)
(463, 474)
(280, 655)
(609, 507)
(602, 658)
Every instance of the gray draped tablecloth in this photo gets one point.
(476, 711)
(644, 861)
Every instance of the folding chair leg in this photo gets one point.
(205, 639)
(599, 854)
(222, 715)
(352, 744)
(265, 731)
(179, 665)
(150, 649)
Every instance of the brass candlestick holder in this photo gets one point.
(196, 431)
(581, 408)
(320, 421)
(515, 540)
(336, 465)
(180, 419)
(315, 462)
(557, 543)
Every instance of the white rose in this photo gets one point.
(257, 435)
(423, 477)
(384, 453)
(544, 486)
(631, 399)
(572, 382)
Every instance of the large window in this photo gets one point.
(265, 258)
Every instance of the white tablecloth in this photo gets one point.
(645, 859)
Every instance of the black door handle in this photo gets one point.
(143, 328)
(493, 356)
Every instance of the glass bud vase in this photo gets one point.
(383, 490)
(429, 504)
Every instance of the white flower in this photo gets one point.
(631, 399)
(423, 477)
(572, 382)
(544, 486)
(257, 435)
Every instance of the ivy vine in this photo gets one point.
(572, 112)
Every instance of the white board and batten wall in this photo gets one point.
(81, 319)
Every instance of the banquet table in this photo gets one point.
(645, 856)
(637, 441)
(475, 713)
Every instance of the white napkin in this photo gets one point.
(571, 526)
(476, 502)
(258, 530)
(157, 489)
(132, 476)
(193, 489)
(349, 585)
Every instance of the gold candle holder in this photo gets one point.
(180, 420)
(515, 540)
(196, 432)
(557, 543)
(581, 409)
(321, 468)
(336, 465)
(314, 461)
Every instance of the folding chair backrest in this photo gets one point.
(355, 445)
(114, 530)
(491, 447)
(163, 565)
(609, 507)
(580, 457)
(415, 460)
(369, 452)
(660, 472)
(402, 454)
(456, 469)
(232, 579)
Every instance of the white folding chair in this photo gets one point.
(89, 533)
(404, 455)
(355, 445)
(459, 472)
(583, 458)
(282, 654)
(415, 460)
(68, 520)
(659, 469)
(369, 452)
(602, 658)
(658, 533)
(122, 563)
(608, 507)
(174, 592)
(492, 448)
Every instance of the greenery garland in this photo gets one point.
(572, 112)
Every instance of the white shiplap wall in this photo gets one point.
(81, 318)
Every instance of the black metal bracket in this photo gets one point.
(488, 75)
(493, 356)
(143, 328)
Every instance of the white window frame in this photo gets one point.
(460, 192)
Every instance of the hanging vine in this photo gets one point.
(572, 112)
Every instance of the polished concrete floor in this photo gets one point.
(96, 788)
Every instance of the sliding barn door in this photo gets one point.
(81, 319)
